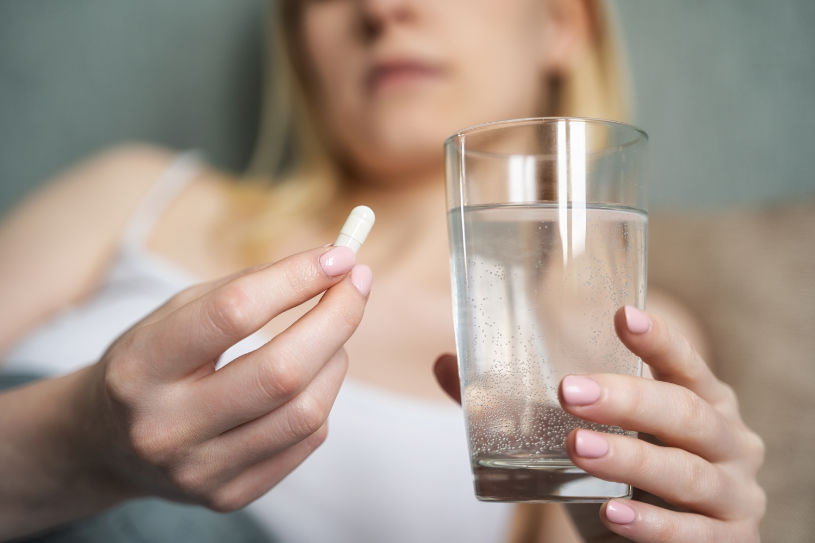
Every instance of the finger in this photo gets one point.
(674, 414)
(194, 292)
(265, 379)
(260, 478)
(675, 475)
(647, 523)
(669, 355)
(200, 331)
(274, 432)
(446, 370)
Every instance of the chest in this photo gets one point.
(403, 332)
(408, 319)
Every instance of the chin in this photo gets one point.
(403, 134)
(417, 118)
(401, 146)
(400, 163)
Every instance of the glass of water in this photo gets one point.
(547, 228)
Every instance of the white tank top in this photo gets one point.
(394, 468)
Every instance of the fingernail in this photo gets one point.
(636, 320)
(619, 513)
(579, 390)
(361, 278)
(337, 261)
(590, 444)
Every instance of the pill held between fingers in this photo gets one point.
(356, 228)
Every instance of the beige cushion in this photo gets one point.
(748, 275)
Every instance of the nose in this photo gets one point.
(377, 15)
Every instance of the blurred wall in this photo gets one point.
(81, 75)
(726, 91)
(724, 88)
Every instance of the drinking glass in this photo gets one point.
(547, 228)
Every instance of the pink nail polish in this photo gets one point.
(337, 261)
(636, 320)
(590, 444)
(620, 513)
(579, 390)
(362, 277)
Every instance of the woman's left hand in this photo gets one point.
(708, 459)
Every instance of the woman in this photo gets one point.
(375, 86)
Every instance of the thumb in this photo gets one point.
(446, 370)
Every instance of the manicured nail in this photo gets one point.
(337, 261)
(590, 444)
(361, 278)
(579, 390)
(619, 513)
(636, 321)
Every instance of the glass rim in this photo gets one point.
(640, 134)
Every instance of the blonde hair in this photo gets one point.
(290, 153)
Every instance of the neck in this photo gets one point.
(411, 227)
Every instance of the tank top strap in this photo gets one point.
(179, 174)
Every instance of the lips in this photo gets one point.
(399, 72)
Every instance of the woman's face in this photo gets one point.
(393, 78)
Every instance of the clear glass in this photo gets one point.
(548, 233)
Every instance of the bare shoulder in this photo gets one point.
(96, 190)
(55, 245)
(116, 176)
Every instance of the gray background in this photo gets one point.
(79, 75)
(725, 88)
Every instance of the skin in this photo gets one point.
(387, 131)
(389, 136)
(709, 460)
(391, 128)
(164, 422)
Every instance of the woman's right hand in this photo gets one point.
(177, 428)
(168, 424)
(154, 417)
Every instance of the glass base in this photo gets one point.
(547, 481)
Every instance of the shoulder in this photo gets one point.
(91, 200)
(117, 174)
(56, 244)
(78, 216)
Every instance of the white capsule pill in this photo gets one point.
(356, 228)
